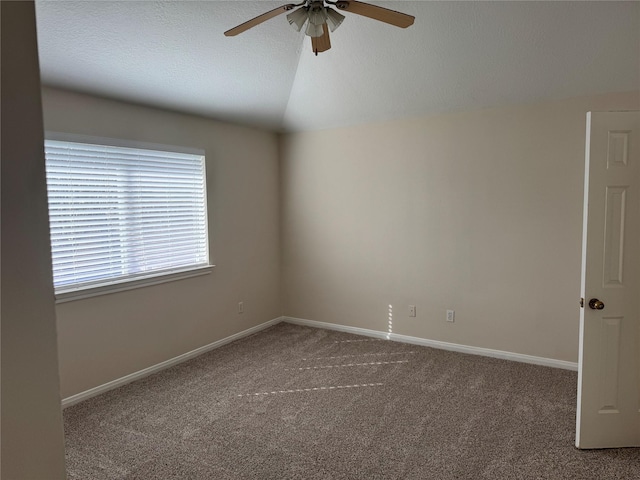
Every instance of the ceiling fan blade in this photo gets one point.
(258, 20)
(385, 15)
(321, 44)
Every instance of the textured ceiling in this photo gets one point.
(457, 55)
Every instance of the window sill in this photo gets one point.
(81, 293)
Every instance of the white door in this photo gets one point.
(609, 361)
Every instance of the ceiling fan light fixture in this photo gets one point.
(317, 16)
(334, 19)
(298, 18)
(314, 30)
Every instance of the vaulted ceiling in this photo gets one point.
(457, 56)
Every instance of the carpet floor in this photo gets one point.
(295, 402)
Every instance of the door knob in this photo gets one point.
(596, 304)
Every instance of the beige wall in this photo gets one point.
(32, 439)
(104, 338)
(480, 212)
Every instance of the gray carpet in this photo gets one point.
(295, 402)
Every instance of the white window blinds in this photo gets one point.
(120, 214)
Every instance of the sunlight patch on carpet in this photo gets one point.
(314, 389)
(350, 365)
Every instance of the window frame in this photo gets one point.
(113, 285)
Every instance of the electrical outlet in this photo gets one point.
(451, 315)
(240, 307)
(412, 310)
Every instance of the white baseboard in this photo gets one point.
(92, 392)
(485, 352)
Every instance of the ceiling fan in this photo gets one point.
(322, 18)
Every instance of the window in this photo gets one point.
(120, 214)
